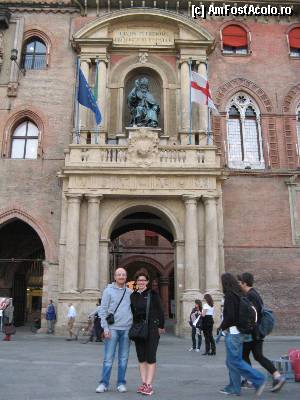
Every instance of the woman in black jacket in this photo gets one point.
(146, 349)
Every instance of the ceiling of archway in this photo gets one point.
(19, 241)
(142, 221)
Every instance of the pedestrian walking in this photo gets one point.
(207, 325)
(237, 367)
(8, 317)
(50, 316)
(196, 325)
(71, 320)
(142, 299)
(116, 319)
(255, 341)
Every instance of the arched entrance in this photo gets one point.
(21, 269)
(142, 241)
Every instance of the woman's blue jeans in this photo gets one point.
(237, 367)
(120, 338)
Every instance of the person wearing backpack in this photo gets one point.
(246, 281)
(237, 367)
(195, 323)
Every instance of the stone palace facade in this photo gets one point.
(224, 198)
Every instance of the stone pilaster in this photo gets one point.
(203, 114)
(92, 265)
(212, 270)
(102, 95)
(104, 264)
(185, 96)
(191, 245)
(72, 244)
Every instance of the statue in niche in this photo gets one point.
(143, 107)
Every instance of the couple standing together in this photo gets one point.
(127, 308)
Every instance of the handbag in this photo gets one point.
(110, 319)
(9, 329)
(139, 330)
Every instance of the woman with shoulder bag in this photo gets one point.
(208, 324)
(196, 323)
(8, 315)
(146, 303)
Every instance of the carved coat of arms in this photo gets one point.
(143, 147)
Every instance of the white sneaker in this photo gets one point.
(101, 388)
(122, 388)
(197, 350)
(191, 349)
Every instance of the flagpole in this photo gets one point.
(208, 113)
(191, 114)
(77, 114)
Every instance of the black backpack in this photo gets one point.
(247, 316)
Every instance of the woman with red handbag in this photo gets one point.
(8, 315)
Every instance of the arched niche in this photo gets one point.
(155, 88)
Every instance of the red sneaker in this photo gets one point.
(148, 390)
(141, 388)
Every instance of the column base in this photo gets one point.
(91, 292)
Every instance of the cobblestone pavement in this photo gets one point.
(35, 367)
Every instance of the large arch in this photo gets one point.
(10, 214)
(143, 205)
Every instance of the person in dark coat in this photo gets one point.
(50, 316)
(146, 349)
(255, 343)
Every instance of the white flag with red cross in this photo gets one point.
(200, 92)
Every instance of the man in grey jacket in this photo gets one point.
(116, 301)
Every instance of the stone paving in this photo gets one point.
(41, 366)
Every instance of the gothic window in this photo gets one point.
(34, 54)
(24, 143)
(244, 142)
(294, 42)
(234, 40)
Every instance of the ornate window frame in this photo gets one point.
(249, 40)
(38, 34)
(10, 127)
(294, 54)
(241, 101)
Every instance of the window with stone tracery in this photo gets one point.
(244, 141)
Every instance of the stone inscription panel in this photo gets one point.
(143, 36)
(157, 183)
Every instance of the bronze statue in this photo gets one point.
(143, 107)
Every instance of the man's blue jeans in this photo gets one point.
(110, 346)
(237, 367)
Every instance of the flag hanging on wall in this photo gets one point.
(200, 92)
(86, 97)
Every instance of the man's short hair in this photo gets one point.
(246, 277)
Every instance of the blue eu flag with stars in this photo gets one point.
(86, 97)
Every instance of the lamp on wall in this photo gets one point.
(14, 57)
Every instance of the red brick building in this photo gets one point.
(253, 68)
